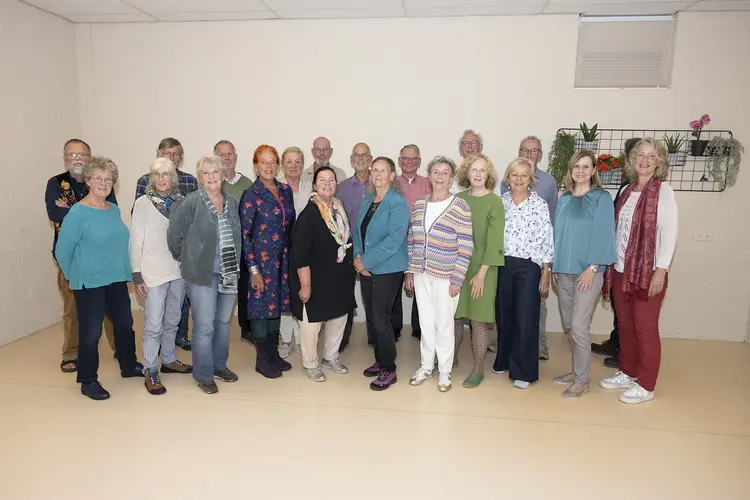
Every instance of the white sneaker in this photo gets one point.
(444, 382)
(297, 349)
(420, 376)
(285, 349)
(618, 381)
(335, 366)
(521, 384)
(636, 394)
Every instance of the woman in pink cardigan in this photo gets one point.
(439, 246)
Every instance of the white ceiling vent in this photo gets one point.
(624, 52)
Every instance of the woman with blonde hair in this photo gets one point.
(476, 304)
(156, 274)
(584, 247)
(204, 236)
(645, 241)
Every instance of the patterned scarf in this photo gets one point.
(641, 251)
(338, 223)
(161, 203)
(229, 269)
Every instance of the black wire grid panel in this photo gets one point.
(686, 172)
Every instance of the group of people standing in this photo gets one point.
(475, 249)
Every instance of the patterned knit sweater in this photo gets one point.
(149, 254)
(444, 250)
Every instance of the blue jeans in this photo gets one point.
(91, 305)
(161, 316)
(182, 328)
(211, 313)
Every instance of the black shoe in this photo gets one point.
(226, 375)
(273, 353)
(184, 343)
(94, 390)
(397, 334)
(417, 334)
(606, 348)
(613, 361)
(136, 371)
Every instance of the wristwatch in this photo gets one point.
(254, 270)
(594, 268)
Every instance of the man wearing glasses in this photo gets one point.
(322, 152)
(63, 191)
(415, 187)
(546, 187)
(470, 143)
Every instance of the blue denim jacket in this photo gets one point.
(384, 249)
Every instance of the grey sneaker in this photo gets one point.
(335, 366)
(493, 346)
(297, 349)
(285, 349)
(568, 378)
(315, 374)
(226, 375)
(209, 387)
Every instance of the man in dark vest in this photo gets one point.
(63, 191)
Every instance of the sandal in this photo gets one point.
(65, 365)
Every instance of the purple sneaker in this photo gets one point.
(372, 371)
(384, 381)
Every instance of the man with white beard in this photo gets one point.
(63, 191)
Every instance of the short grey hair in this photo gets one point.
(159, 164)
(470, 131)
(442, 159)
(413, 147)
(100, 164)
(531, 138)
(210, 160)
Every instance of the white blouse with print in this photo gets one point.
(528, 230)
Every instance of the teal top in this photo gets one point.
(92, 248)
(584, 232)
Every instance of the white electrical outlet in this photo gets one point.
(702, 237)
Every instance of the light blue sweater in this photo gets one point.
(92, 248)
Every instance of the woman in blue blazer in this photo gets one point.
(380, 258)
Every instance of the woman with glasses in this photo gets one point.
(92, 250)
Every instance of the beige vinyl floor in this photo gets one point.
(294, 439)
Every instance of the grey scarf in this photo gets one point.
(229, 269)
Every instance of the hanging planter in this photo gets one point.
(607, 165)
(698, 147)
(590, 145)
(676, 150)
(589, 138)
(677, 159)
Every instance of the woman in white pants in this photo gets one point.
(321, 275)
(156, 274)
(440, 247)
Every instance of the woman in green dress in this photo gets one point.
(477, 301)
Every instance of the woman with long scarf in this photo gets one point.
(322, 275)
(156, 274)
(646, 237)
(204, 236)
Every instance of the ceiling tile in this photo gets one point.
(65, 7)
(617, 9)
(436, 4)
(339, 13)
(111, 18)
(721, 5)
(180, 6)
(309, 5)
(214, 16)
(499, 10)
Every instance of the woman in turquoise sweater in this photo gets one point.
(584, 247)
(92, 251)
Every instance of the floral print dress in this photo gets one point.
(266, 233)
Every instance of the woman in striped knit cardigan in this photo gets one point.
(439, 246)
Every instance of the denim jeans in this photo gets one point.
(161, 317)
(92, 304)
(182, 328)
(211, 313)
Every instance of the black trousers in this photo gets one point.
(379, 292)
(397, 319)
(242, 288)
(614, 336)
(517, 305)
(92, 304)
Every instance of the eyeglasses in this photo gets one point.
(407, 159)
(321, 150)
(360, 155)
(466, 144)
(71, 156)
(102, 180)
(527, 151)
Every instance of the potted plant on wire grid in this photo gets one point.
(562, 150)
(589, 138)
(675, 145)
(608, 165)
(698, 146)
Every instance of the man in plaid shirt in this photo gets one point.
(172, 149)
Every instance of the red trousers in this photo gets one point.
(640, 345)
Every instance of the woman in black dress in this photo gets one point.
(321, 275)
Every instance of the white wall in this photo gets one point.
(394, 81)
(39, 111)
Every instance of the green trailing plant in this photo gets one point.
(589, 134)
(562, 150)
(674, 143)
(725, 151)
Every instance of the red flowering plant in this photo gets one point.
(697, 126)
(607, 162)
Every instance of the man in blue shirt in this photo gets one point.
(63, 191)
(546, 187)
